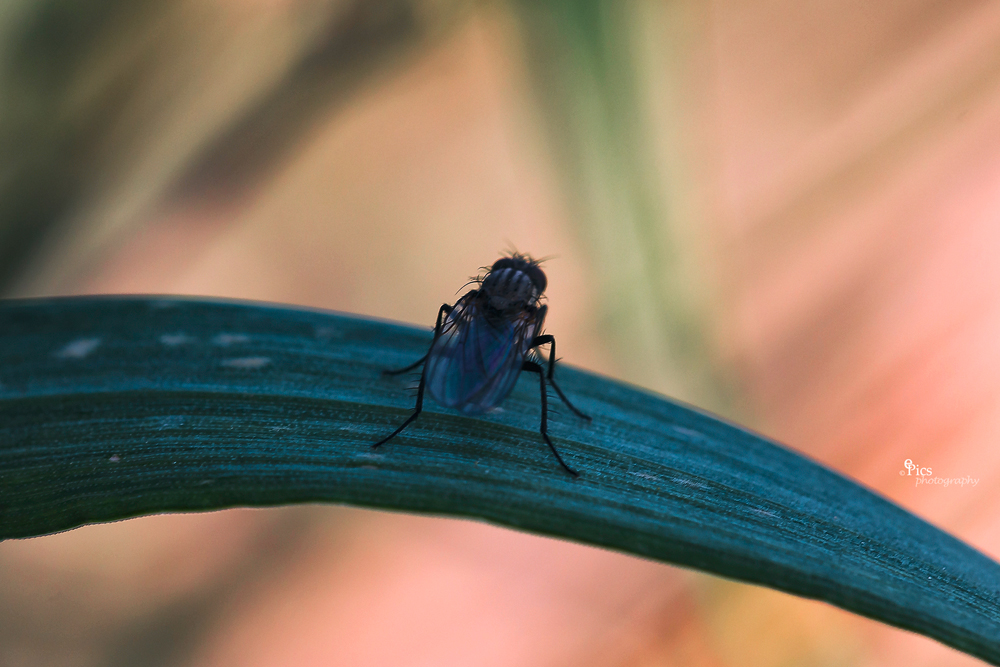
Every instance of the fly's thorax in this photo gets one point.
(508, 289)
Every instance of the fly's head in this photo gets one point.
(513, 283)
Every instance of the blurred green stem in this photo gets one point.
(586, 60)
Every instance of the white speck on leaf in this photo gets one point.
(326, 333)
(689, 483)
(247, 363)
(173, 421)
(79, 349)
(173, 340)
(114, 458)
(226, 339)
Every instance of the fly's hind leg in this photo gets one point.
(444, 310)
(544, 429)
(549, 338)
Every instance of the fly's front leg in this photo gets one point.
(535, 368)
(399, 371)
(444, 310)
(550, 339)
(409, 420)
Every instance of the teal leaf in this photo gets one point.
(117, 407)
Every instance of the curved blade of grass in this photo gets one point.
(115, 407)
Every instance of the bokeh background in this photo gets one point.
(785, 212)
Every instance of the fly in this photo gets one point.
(483, 342)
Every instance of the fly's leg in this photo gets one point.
(549, 338)
(535, 368)
(408, 368)
(444, 310)
(410, 419)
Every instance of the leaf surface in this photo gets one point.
(117, 407)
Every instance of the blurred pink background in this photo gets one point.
(824, 181)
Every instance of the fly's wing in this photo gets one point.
(474, 363)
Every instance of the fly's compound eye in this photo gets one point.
(537, 277)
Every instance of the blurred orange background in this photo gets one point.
(784, 212)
